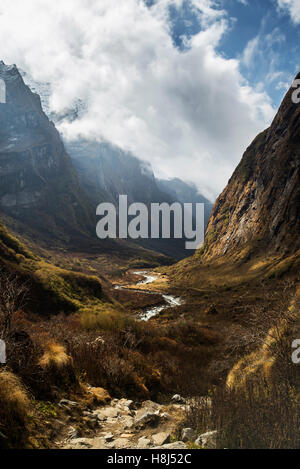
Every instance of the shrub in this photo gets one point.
(254, 417)
(14, 409)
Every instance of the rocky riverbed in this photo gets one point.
(168, 301)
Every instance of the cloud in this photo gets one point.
(293, 7)
(190, 113)
(250, 51)
(261, 47)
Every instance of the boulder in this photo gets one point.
(107, 413)
(151, 406)
(177, 399)
(144, 443)
(121, 443)
(149, 418)
(67, 403)
(175, 445)
(161, 438)
(80, 443)
(127, 422)
(188, 434)
(207, 440)
(125, 404)
(86, 443)
(127, 435)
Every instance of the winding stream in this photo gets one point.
(170, 301)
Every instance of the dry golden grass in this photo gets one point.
(231, 270)
(259, 405)
(101, 316)
(260, 363)
(54, 355)
(99, 396)
(14, 409)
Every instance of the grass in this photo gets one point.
(80, 335)
(259, 405)
(54, 355)
(12, 248)
(255, 417)
(14, 410)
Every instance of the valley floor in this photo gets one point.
(186, 348)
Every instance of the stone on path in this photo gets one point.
(108, 436)
(125, 404)
(106, 413)
(149, 418)
(86, 443)
(120, 443)
(161, 438)
(175, 445)
(67, 403)
(144, 443)
(188, 434)
(207, 440)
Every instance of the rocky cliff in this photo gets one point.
(106, 171)
(260, 207)
(38, 184)
(185, 193)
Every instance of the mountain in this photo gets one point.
(253, 231)
(38, 183)
(260, 207)
(106, 171)
(185, 193)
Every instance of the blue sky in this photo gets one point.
(275, 38)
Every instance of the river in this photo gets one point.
(169, 301)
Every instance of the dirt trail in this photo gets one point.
(124, 423)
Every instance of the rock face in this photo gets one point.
(260, 207)
(38, 184)
(106, 171)
(185, 193)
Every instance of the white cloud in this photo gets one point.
(190, 113)
(261, 47)
(250, 51)
(293, 7)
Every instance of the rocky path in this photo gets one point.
(125, 424)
